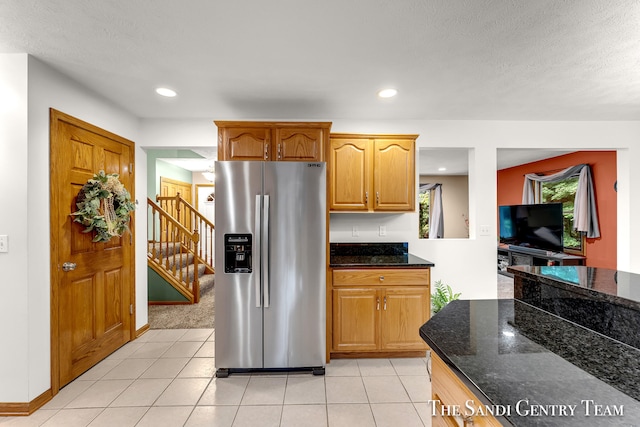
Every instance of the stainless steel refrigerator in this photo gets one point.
(270, 266)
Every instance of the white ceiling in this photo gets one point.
(302, 59)
(456, 160)
(325, 60)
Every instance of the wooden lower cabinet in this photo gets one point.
(379, 311)
(404, 311)
(356, 326)
(452, 399)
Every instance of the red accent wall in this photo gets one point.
(600, 252)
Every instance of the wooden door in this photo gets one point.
(356, 321)
(349, 175)
(92, 305)
(394, 175)
(299, 144)
(171, 187)
(244, 143)
(404, 311)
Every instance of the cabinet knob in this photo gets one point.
(377, 197)
(382, 278)
(266, 151)
(366, 197)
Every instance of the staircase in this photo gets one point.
(180, 246)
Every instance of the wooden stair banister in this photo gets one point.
(170, 245)
(190, 217)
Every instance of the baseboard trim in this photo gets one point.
(142, 330)
(169, 303)
(27, 408)
(377, 354)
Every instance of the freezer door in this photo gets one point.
(238, 312)
(295, 288)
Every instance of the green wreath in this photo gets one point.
(103, 206)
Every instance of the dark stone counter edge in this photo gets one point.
(381, 265)
(462, 377)
(572, 287)
(367, 261)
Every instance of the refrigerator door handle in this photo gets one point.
(265, 251)
(257, 244)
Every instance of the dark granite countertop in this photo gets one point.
(603, 300)
(346, 255)
(616, 286)
(511, 353)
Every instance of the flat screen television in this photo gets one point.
(532, 226)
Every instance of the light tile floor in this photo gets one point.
(505, 287)
(166, 378)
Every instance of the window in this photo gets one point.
(423, 209)
(565, 191)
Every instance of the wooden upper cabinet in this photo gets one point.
(244, 143)
(299, 144)
(394, 176)
(273, 141)
(371, 172)
(349, 174)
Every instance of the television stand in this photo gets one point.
(527, 250)
(518, 255)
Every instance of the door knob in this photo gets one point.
(68, 266)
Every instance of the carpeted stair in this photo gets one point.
(182, 262)
(183, 316)
(179, 316)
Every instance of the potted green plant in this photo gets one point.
(442, 296)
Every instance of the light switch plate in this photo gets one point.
(383, 230)
(484, 230)
(4, 243)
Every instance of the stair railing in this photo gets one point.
(191, 218)
(170, 247)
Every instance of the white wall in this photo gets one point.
(24, 176)
(14, 290)
(467, 264)
(164, 133)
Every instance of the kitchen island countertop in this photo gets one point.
(517, 356)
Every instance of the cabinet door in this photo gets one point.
(299, 144)
(355, 319)
(404, 311)
(394, 175)
(250, 143)
(349, 175)
(448, 389)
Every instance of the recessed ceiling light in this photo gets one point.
(442, 169)
(169, 93)
(387, 93)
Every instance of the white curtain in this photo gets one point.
(585, 216)
(436, 219)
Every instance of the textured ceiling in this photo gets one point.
(302, 59)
